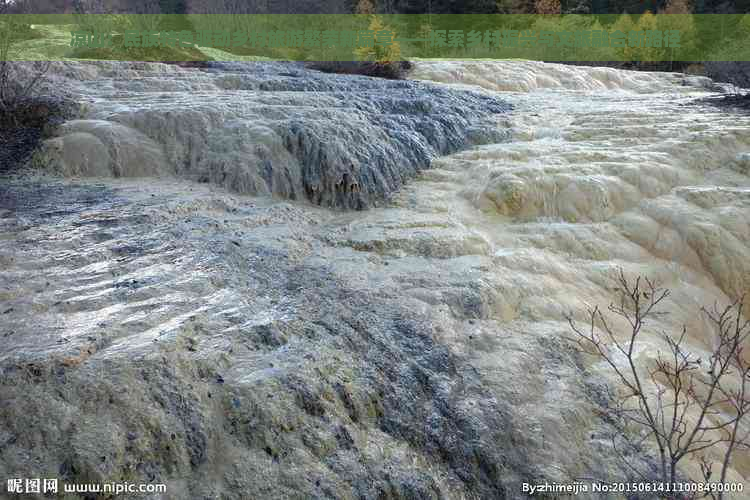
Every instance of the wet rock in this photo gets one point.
(310, 378)
(345, 142)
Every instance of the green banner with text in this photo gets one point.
(383, 38)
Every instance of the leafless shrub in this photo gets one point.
(736, 73)
(395, 70)
(19, 80)
(685, 405)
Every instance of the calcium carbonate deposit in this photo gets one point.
(244, 281)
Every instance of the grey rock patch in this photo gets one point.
(209, 353)
(265, 128)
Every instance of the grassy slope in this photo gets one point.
(53, 42)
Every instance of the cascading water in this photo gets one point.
(264, 128)
(605, 169)
(414, 348)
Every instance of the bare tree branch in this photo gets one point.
(690, 409)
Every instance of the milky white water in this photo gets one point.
(599, 169)
(605, 169)
(601, 177)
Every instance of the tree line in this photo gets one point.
(382, 6)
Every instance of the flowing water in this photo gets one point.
(593, 170)
(605, 169)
